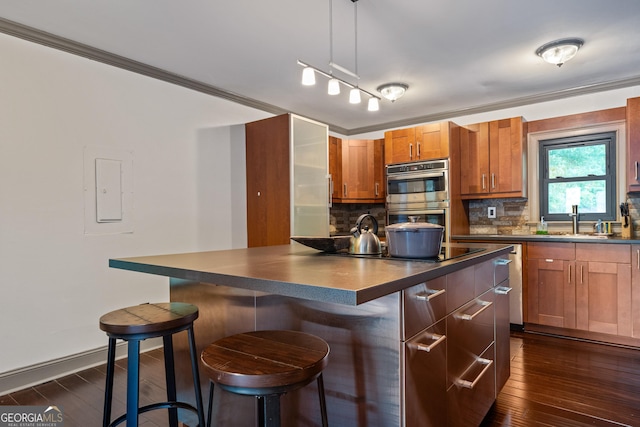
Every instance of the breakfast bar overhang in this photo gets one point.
(378, 316)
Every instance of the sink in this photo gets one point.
(577, 236)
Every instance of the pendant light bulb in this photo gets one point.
(308, 76)
(333, 87)
(373, 105)
(354, 96)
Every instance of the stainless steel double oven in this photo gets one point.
(420, 190)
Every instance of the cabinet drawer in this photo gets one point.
(603, 252)
(483, 276)
(460, 288)
(470, 330)
(500, 269)
(551, 250)
(423, 305)
(426, 377)
(470, 398)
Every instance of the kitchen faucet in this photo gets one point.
(574, 218)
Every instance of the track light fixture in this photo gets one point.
(333, 87)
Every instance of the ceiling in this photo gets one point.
(457, 56)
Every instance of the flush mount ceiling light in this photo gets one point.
(392, 91)
(333, 87)
(559, 51)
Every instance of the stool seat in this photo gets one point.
(149, 319)
(135, 324)
(266, 363)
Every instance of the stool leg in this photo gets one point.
(170, 378)
(261, 411)
(108, 388)
(196, 377)
(323, 403)
(270, 410)
(133, 377)
(210, 407)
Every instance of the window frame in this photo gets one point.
(607, 138)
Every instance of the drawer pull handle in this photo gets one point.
(472, 384)
(502, 261)
(430, 294)
(438, 340)
(503, 290)
(484, 304)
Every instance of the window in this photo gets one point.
(578, 171)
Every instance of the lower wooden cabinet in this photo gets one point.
(582, 286)
(635, 291)
(551, 297)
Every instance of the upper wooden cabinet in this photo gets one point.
(633, 145)
(335, 167)
(492, 160)
(426, 142)
(287, 186)
(357, 169)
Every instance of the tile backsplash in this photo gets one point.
(343, 216)
(512, 217)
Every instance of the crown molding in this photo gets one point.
(50, 40)
(500, 105)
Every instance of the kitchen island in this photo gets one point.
(408, 339)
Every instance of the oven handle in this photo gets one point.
(410, 176)
(417, 212)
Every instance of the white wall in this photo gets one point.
(54, 279)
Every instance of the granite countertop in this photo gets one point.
(569, 238)
(296, 271)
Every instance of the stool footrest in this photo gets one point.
(154, 406)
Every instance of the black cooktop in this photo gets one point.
(446, 254)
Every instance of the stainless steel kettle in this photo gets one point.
(365, 241)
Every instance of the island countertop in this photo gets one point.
(296, 271)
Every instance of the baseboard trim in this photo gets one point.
(29, 376)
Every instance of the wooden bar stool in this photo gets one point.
(266, 364)
(135, 324)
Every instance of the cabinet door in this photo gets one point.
(268, 178)
(603, 297)
(399, 146)
(309, 167)
(379, 185)
(357, 170)
(432, 141)
(474, 160)
(335, 168)
(603, 288)
(635, 291)
(506, 157)
(551, 292)
(633, 144)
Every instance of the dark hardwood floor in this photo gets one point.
(554, 382)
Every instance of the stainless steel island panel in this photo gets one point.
(362, 378)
